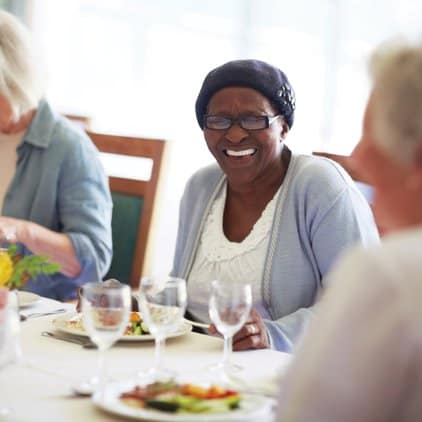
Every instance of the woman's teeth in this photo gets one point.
(242, 153)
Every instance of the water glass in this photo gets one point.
(229, 307)
(105, 313)
(162, 302)
(10, 347)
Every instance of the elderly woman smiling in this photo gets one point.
(262, 214)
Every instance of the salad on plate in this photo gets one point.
(173, 397)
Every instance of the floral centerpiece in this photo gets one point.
(16, 269)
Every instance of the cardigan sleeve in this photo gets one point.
(333, 223)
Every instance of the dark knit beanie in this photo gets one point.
(261, 76)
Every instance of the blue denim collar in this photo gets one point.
(41, 129)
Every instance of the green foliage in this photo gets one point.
(29, 267)
(12, 250)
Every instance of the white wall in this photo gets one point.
(136, 66)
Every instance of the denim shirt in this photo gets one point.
(60, 184)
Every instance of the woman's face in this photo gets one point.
(260, 149)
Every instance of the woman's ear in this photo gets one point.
(285, 131)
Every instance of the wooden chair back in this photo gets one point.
(84, 122)
(133, 204)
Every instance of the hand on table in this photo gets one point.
(253, 335)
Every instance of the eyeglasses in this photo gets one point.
(245, 122)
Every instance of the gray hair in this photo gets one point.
(396, 69)
(20, 81)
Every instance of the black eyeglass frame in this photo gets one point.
(268, 120)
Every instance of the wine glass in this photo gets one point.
(162, 302)
(105, 313)
(229, 307)
(10, 347)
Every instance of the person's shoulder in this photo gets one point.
(404, 244)
(310, 168)
(396, 258)
(67, 144)
(383, 279)
(70, 136)
(205, 176)
(318, 178)
(58, 134)
(400, 245)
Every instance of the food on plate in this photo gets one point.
(135, 327)
(173, 397)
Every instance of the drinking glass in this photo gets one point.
(10, 347)
(105, 313)
(229, 307)
(162, 302)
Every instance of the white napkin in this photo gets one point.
(46, 305)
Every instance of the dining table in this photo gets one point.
(39, 386)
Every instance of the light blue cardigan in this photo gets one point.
(319, 213)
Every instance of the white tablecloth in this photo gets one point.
(39, 388)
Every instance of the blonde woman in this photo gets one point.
(54, 195)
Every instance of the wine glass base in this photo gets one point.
(225, 375)
(86, 388)
(156, 374)
(227, 367)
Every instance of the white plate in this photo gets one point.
(62, 323)
(27, 298)
(251, 408)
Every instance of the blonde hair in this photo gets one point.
(396, 69)
(20, 81)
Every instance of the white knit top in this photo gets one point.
(219, 258)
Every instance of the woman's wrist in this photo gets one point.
(22, 231)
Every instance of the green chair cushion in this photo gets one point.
(125, 223)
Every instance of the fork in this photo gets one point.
(40, 314)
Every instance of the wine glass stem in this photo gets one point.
(228, 346)
(160, 343)
(101, 370)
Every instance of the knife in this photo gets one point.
(87, 344)
(24, 317)
(196, 324)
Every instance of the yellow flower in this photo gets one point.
(6, 268)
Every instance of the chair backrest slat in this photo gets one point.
(133, 202)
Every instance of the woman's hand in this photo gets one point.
(253, 335)
(40, 240)
(8, 229)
